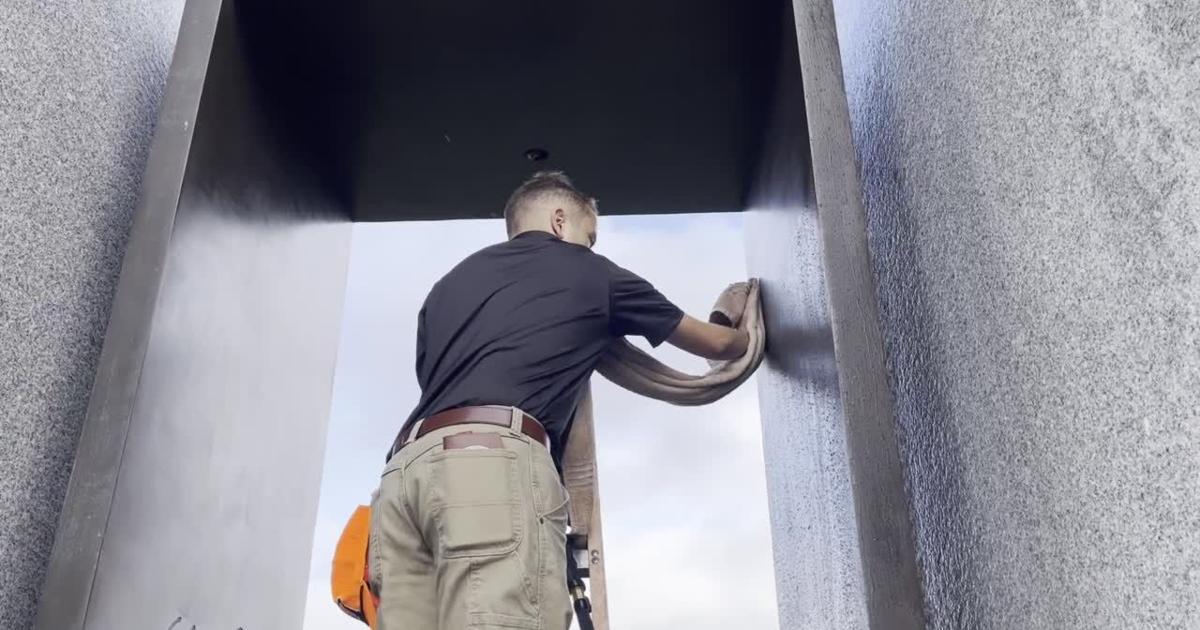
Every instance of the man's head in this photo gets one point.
(549, 202)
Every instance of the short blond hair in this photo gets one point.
(541, 187)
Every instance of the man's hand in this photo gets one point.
(731, 305)
(711, 341)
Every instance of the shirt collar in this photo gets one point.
(536, 235)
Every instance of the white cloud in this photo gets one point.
(683, 490)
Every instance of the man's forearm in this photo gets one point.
(710, 341)
(739, 345)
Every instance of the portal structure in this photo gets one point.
(281, 124)
(976, 226)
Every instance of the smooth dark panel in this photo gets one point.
(426, 109)
(212, 515)
(1032, 177)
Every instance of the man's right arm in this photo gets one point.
(711, 341)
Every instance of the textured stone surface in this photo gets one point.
(1032, 176)
(79, 90)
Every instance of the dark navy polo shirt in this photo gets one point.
(524, 323)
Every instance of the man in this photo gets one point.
(469, 526)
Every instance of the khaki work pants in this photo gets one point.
(470, 538)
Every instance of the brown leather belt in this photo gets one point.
(496, 416)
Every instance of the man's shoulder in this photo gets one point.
(612, 269)
(555, 256)
(465, 268)
(481, 257)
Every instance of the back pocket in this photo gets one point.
(477, 510)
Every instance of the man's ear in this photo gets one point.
(558, 222)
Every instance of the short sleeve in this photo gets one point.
(637, 308)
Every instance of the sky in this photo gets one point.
(683, 490)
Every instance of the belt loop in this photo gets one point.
(516, 423)
(412, 433)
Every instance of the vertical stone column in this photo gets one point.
(80, 85)
(195, 485)
(844, 550)
(1031, 172)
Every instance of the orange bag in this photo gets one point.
(349, 577)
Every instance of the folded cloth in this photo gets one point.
(731, 304)
(641, 373)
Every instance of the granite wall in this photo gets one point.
(80, 85)
(1031, 172)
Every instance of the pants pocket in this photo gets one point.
(476, 507)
